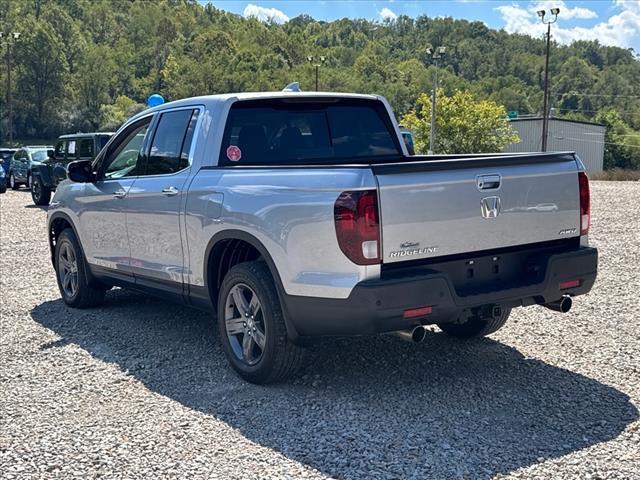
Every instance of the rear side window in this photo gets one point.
(292, 132)
(72, 150)
(85, 148)
(171, 143)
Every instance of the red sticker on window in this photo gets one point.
(234, 153)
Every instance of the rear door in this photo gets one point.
(154, 205)
(448, 207)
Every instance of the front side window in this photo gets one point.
(59, 150)
(124, 157)
(171, 142)
(287, 132)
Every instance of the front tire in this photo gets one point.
(71, 273)
(40, 194)
(474, 328)
(252, 328)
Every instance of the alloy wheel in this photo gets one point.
(245, 325)
(36, 189)
(68, 270)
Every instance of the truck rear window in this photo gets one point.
(269, 132)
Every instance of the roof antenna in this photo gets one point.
(292, 87)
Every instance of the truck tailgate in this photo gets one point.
(448, 207)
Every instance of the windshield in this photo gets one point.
(266, 132)
(39, 155)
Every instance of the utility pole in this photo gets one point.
(434, 54)
(545, 101)
(9, 40)
(317, 65)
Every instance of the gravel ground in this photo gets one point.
(140, 388)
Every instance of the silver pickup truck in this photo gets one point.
(294, 215)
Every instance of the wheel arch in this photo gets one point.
(231, 247)
(57, 223)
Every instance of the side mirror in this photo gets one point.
(80, 171)
(51, 153)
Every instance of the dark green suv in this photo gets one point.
(69, 148)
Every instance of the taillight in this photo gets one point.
(585, 203)
(357, 228)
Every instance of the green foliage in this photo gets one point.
(463, 124)
(78, 59)
(622, 144)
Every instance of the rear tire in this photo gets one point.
(71, 273)
(40, 194)
(12, 182)
(474, 328)
(252, 328)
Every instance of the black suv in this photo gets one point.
(79, 146)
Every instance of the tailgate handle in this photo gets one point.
(488, 182)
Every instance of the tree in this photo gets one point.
(463, 124)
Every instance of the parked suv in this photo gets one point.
(3, 180)
(6, 154)
(69, 148)
(22, 164)
(295, 215)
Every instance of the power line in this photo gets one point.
(600, 143)
(592, 111)
(596, 94)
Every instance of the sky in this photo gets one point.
(612, 22)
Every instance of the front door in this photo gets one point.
(154, 221)
(102, 216)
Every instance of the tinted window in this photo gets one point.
(170, 146)
(276, 131)
(102, 141)
(85, 148)
(59, 151)
(123, 159)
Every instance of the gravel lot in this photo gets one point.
(140, 388)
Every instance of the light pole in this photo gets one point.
(435, 54)
(317, 64)
(545, 101)
(9, 39)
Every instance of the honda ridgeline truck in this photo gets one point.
(295, 215)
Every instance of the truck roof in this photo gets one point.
(225, 97)
(84, 135)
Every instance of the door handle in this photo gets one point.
(120, 193)
(170, 191)
(488, 182)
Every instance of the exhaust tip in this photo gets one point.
(418, 334)
(562, 305)
(565, 304)
(415, 335)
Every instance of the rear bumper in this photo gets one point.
(377, 306)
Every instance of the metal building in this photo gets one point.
(584, 138)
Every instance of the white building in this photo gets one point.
(584, 138)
